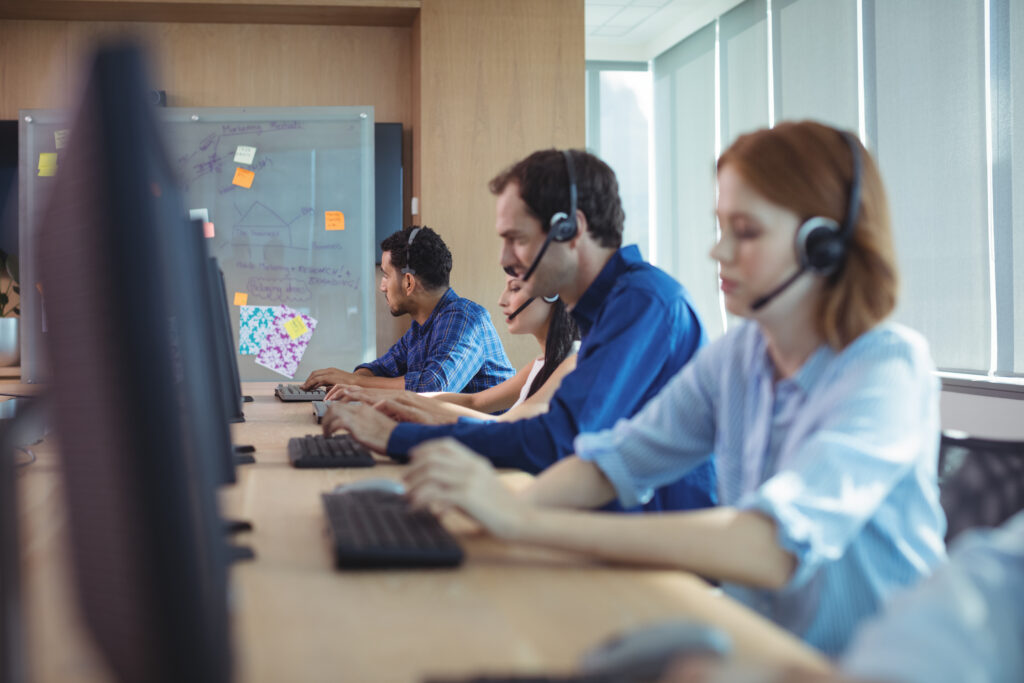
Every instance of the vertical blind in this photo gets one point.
(684, 126)
(914, 79)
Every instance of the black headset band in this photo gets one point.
(853, 200)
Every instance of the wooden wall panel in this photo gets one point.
(498, 80)
(226, 65)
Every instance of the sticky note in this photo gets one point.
(198, 215)
(47, 164)
(334, 220)
(60, 138)
(208, 230)
(296, 327)
(245, 154)
(241, 298)
(243, 178)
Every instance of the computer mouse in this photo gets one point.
(644, 652)
(372, 484)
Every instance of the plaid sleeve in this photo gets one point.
(394, 362)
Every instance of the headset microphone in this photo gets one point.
(521, 308)
(763, 301)
(821, 242)
(548, 299)
(562, 226)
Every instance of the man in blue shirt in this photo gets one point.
(452, 344)
(560, 218)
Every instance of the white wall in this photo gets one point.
(987, 416)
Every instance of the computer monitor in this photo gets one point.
(136, 422)
(229, 380)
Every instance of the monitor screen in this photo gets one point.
(136, 422)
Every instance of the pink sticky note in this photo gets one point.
(208, 229)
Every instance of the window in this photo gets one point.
(618, 131)
(930, 85)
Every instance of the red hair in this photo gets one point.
(807, 168)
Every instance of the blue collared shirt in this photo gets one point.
(964, 624)
(842, 456)
(638, 328)
(456, 349)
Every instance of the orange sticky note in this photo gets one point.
(243, 177)
(334, 220)
(296, 327)
(208, 229)
(241, 298)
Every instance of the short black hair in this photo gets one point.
(543, 182)
(427, 257)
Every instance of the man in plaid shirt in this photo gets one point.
(452, 344)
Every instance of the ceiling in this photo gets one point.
(640, 30)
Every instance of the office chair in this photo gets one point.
(981, 481)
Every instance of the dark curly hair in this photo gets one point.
(427, 257)
(543, 182)
(562, 332)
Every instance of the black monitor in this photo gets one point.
(229, 380)
(136, 421)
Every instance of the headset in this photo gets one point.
(548, 299)
(562, 226)
(821, 243)
(408, 260)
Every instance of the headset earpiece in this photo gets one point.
(821, 242)
(819, 245)
(562, 226)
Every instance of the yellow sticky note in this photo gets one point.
(296, 327)
(243, 178)
(208, 229)
(241, 299)
(47, 164)
(60, 138)
(334, 220)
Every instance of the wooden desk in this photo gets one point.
(508, 608)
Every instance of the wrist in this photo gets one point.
(521, 519)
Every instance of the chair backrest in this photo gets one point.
(981, 481)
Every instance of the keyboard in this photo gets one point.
(376, 530)
(328, 451)
(293, 392)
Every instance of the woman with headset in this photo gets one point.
(524, 395)
(823, 417)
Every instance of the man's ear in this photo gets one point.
(581, 229)
(408, 283)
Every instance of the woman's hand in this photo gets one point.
(366, 425)
(445, 474)
(348, 393)
(414, 408)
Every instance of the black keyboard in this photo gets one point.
(293, 392)
(328, 451)
(376, 529)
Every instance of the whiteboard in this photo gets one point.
(313, 169)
